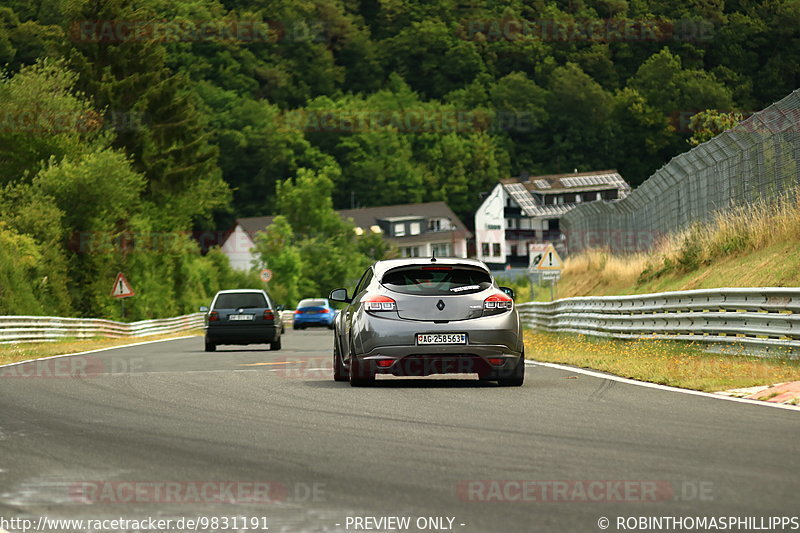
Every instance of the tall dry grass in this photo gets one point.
(741, 229)
(600, 269)
(738, 230)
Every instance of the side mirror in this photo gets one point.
(203, 309)
(509, 291)
(280, 307)
(339, 295)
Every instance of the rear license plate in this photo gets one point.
(241, 317)
(442, 338)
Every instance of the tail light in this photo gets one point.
(213, 316)
(496, 361)
(385, 363)
(269, 315)
(497, 304)
(377, 303)
(298, 312)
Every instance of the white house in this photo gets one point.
(527, 210)
(417, 230)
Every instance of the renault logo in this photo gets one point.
(440, 305)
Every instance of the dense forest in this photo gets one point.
(129, 128)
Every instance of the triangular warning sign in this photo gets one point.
(122, 289)
(550, 260)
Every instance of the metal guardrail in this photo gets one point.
(768, 316)
(16, 329)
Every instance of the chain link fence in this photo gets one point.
(759, 159)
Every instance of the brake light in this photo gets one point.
(379, 303)
(497, 303)
(269, 315)
(496, 361)
(213, 316)
(298, 312)
(385, 363)
(437, 268)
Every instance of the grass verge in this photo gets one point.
(11, 353)
(677, 364)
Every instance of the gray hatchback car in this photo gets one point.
(417, 317)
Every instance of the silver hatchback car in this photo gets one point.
(417, 317)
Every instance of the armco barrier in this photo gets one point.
(16, 329)
(768, 316)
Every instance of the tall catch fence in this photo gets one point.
(759, 159)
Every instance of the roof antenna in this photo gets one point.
(433, 256)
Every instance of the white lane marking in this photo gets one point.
(94, 351)
(662, 387)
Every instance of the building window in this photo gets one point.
(496, 249)
(513, 249)
(485, 249)
(434, 224)
(410, 251)
(415, 229)
(399, 230)
(599, 196)
(440, 250)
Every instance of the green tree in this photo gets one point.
(432, 58)
(710, 123)
(165, 134)
(42, 117)
(277, 251)
(578, 132)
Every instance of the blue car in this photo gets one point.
(314, 312)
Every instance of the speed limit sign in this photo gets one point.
(266, 275)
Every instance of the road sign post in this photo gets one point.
(546, 263)
(122, 289)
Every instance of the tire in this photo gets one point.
(275, 345)
(295, 326)
(330, 326)
(210, 346)
(339, 371)
(517, 377)
(360, 377)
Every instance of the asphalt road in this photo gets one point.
(100, 445)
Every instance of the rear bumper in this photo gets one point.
(312, 320)
(239, 334)
(394, 342)
(422, 361)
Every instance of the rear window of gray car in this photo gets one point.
(239, 300)
(436, 280)
(311, 303)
